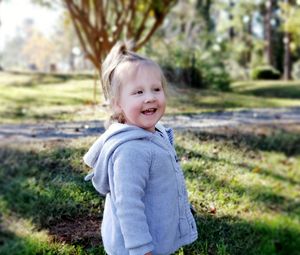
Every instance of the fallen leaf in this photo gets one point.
(256, 170)
(212, 209)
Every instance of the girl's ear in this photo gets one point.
(116, 106)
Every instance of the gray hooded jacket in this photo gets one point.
(146, 205)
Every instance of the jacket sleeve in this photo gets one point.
(131, 173)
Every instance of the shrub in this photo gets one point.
(193, 77)
(193, 67)
(185, 75)
(265, 73)
(205, 76)
(215, 77)
(296, 70)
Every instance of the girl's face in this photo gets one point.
(141, 98)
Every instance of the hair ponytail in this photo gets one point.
(120, 52)
(110, 63)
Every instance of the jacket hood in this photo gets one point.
(100, 152)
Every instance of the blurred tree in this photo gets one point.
(231, 30)
(204, 8)
(99, 24)
(65, 41)
(38, 51)
(181, 36)
(28, 48)
(272, 34)
(268, 31)
(290, 15)
(241, 34)
(13, 52)
(287, 41)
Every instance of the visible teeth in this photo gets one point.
(151, 110)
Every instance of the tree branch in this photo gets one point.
(143, 23)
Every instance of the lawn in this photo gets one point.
(244, 186)
(39, 97)
(243, 182)
(57, 97)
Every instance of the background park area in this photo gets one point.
(233, 68)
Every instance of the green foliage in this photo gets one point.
(204, 77)
(265, 73)
(189, 76)
(215, 76)
(252, 180)
(290, 14)
(195, 68)
(296, 70)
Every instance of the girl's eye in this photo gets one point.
(139, 92)
(157, 89)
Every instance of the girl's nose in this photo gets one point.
(149, 98)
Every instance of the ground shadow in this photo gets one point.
(38, 78)
(10, 243)
(233, 235)
(191, 154)
(45, 188)
(286, 91)
(261, 194)
(219, 234)
(269, 138)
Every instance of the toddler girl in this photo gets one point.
(134, 163)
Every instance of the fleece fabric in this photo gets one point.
(146, 202)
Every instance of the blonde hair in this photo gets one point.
(121, 53)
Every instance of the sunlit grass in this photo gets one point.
(189, 100)
(41, 188)
(255, 193)
(41, 97)
(23, 238)
(245, 191)
(269, 89)
(29, 101)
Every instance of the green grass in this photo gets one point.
(38, 97)
(269, 89)
(255, 190)
(244, 183)
(42, 193)
(47, 208)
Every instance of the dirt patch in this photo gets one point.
(84, 231)
(258, 130)
(194, 122)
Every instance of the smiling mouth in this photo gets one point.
(149, 111)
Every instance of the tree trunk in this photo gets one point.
(100, 24)
(204, 8)
(249, 41)
(287, 57)
(231, 28)
(287, 67)
(268, 33)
